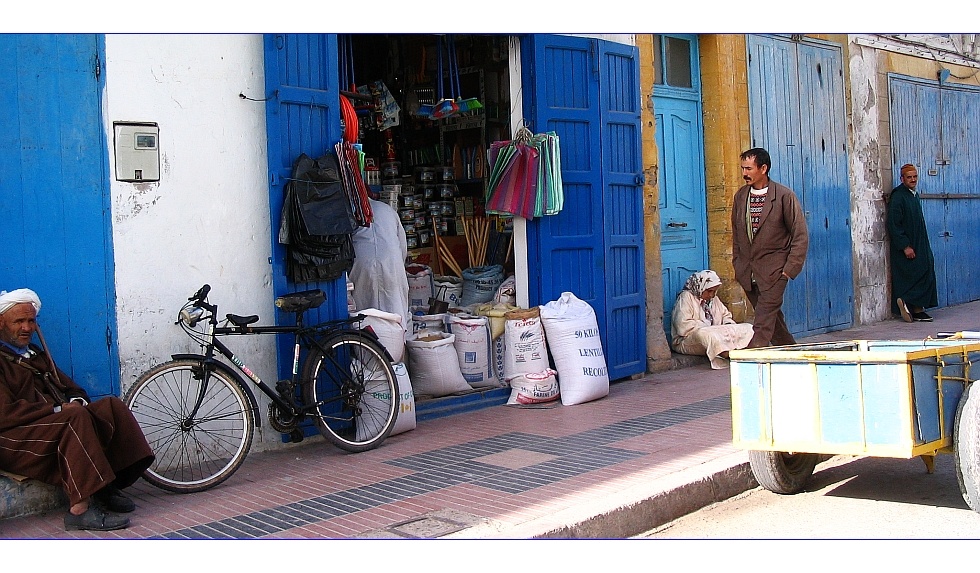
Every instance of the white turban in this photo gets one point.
(21, 295)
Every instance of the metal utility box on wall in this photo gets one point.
(137, 151)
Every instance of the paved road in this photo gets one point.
(847, 498)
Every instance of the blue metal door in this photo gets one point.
(796, 99)
(936, 127)
(587, 91)
(680, 149)
(54, 192)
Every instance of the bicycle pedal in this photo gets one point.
(296, 436)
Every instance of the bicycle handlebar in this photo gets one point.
(201, 294)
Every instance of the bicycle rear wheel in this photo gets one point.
(351, 379)
(192, 453)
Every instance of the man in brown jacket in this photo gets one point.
(51, 431)
(769, 244)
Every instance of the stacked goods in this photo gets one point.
(481, 283)
(495, 313)
(390, 329)
(449, 289)
(419, 285)
(525, 348)
(473, 349)
(433, 365)
(573, 338)
(428, 323)
(536, 388)
(405, 420)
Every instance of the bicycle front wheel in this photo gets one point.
(197, 420)
(350, 379)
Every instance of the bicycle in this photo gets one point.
(199, 415)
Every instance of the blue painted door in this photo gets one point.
(302, 116)
(796, 105)
(54, 192)
(587, 91)
(680, 149)
(937, 127)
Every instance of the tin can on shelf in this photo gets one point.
(428, 192)
(418, 202)
(411, 241)
(447, 191)
(391, 169)
(447, 209)
(425, 238)
(425, 175)
(446, 174)
(406, 201)
(407, 215)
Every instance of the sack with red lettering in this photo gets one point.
(573, 339)
(534, 388)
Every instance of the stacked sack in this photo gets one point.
(526, 366)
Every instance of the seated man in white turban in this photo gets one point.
(702, 324)
(52, 432)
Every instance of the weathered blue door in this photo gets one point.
(302, 116)
(587, 91)
(54, 193)
(936, 127)
(796, 104)
(680, 149)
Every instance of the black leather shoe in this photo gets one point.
(95, 519)
(112, 499)
(921, 317)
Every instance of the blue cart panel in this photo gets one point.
(890, 398)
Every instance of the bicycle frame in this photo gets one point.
(302, 336)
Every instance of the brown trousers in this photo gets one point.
(770, 324)
(80, 449)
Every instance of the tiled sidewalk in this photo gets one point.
(498, 472)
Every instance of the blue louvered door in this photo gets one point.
(796, 105)
(55, 197)
(587, 91)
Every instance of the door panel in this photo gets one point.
(682, 195)
(594, 246)
(936, 128)
(54, 192)
(796, 102)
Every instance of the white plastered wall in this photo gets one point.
(207, 220)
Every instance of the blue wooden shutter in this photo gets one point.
(586, 90)
(796, 100)
(302, 116)
(54, 192)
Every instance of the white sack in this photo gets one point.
(525, 349)
(406, 401)
(573, 338)
(535, 388)
(419, 285)
(433, 365)
(473, 349)
(390, 329)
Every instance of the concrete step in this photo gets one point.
(22, 496)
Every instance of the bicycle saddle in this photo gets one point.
(241, 321)
(301, 301)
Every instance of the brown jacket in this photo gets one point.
(780, 244)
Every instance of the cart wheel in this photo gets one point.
(782, 472)
(966, 449)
